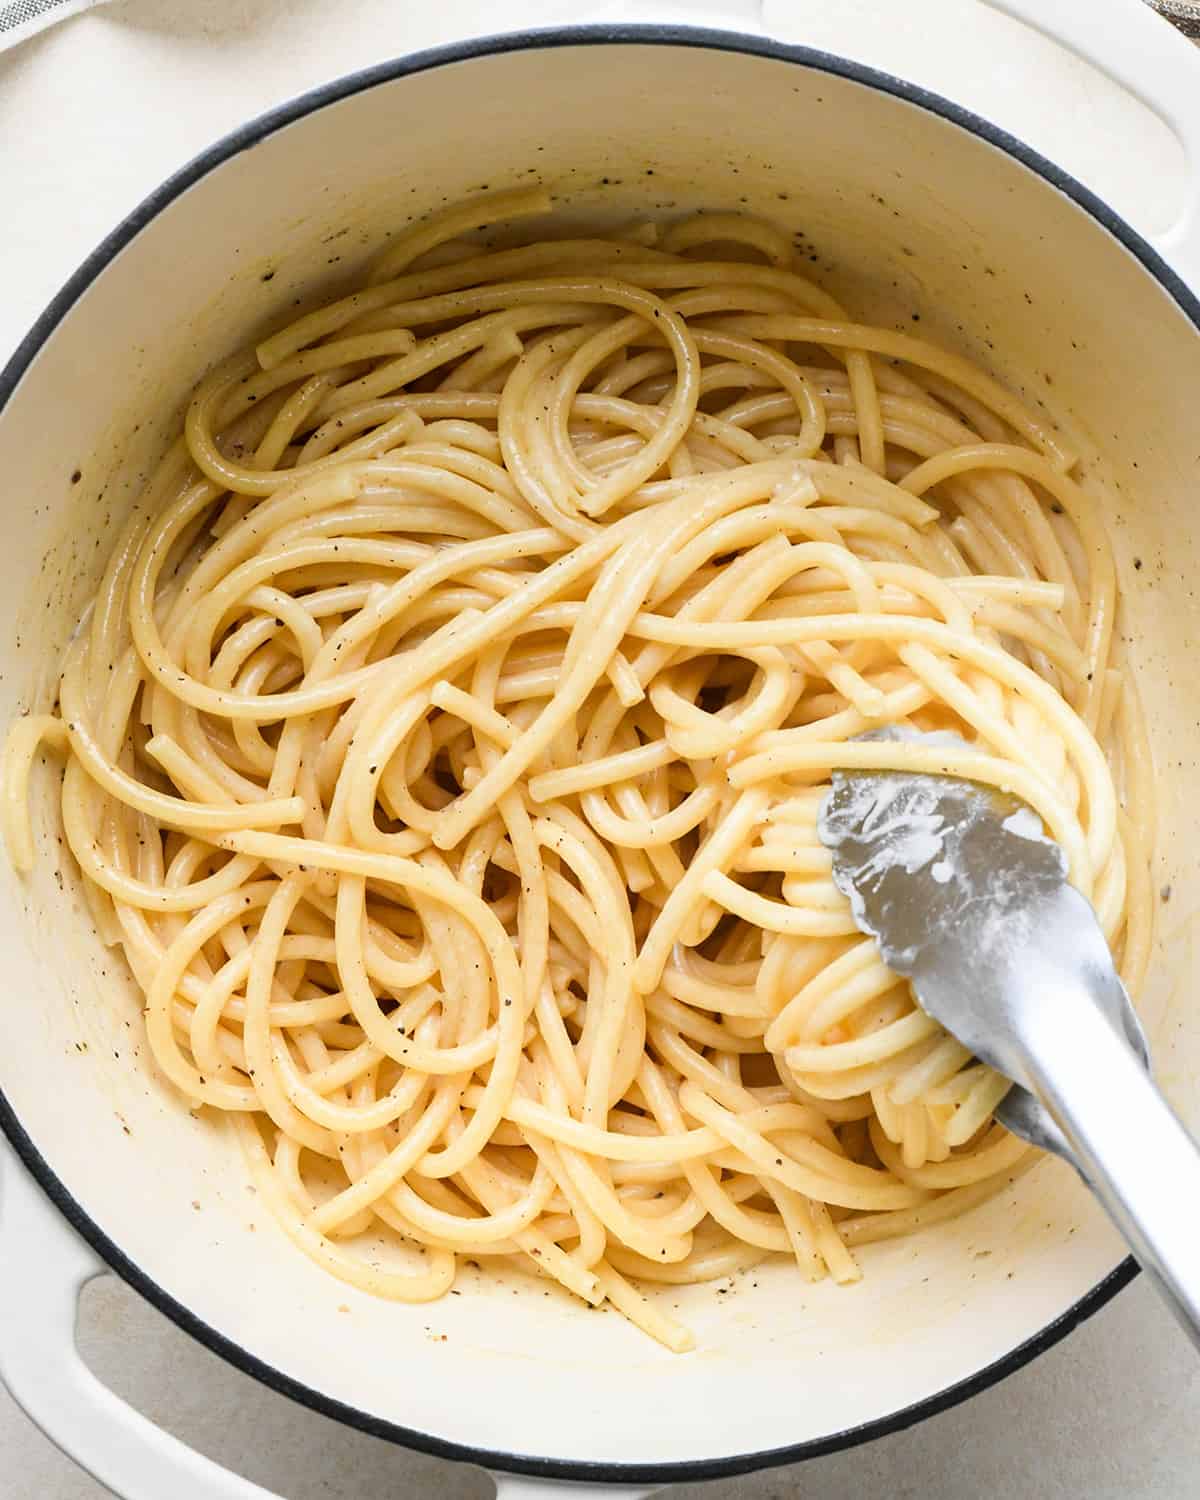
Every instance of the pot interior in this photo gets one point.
(907, 214)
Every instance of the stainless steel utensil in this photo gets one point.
(1182, 13)
(970, 900)
(21, 19)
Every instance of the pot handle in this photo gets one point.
(1142, 53)
(44, 1265)
(1124, 39)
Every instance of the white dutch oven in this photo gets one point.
(916, 203)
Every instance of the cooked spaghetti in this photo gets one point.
(445, 745)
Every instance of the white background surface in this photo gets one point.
(93, 115)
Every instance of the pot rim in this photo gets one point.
(215, 155)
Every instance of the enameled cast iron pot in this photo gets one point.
(915, 203)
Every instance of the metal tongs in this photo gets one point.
(970, 900)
